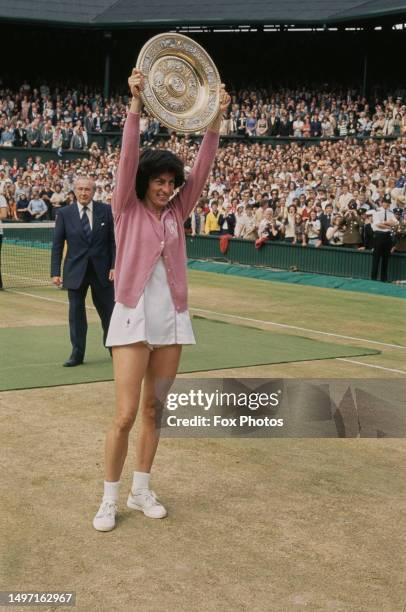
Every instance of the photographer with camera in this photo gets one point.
(352, 226)
(335, 233)
(399, 234)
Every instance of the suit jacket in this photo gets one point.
(273, 126)
(88, 124)
(325, 223)
(97, 124)
(230, 218)
(101, 249)
(20, 137)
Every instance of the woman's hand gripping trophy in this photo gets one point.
(136, 85)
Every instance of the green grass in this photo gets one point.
(362, 315)
(350, 314)
(22, 265)
(34, 357)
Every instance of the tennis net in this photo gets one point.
(26, 254)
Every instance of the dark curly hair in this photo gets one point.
(153, 163)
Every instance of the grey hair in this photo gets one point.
(84, 178)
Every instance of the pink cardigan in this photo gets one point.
(141, 238)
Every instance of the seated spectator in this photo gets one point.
(225, 126)
(274, 124)
(276, 230)
(57, 200)
(144, 126)
(315, 126)
(367, 232)
(79, 139)
(198, 221)
(33, 134)
(270, 228)
(212, 226)
(298, 126)
(326, 220)
(227, 220)
(70, 198)
(45, 194)
(106, 122)
(37, 208)
(239, 211)
(251, 125)
(313, 230)
(22, 209)
(241, 124)
(289, 221)
(260, 211)
(20, 135)
(95, 151)
(9, 194)
(344, 199)
(264, 225)
(262, 125)
(299, 230)
(399, 234)
(46, 134)
(306, 130)
(7, 136)
(335, 233)
(306, 206)
(57, 139)
(249, 229)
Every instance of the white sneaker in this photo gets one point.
(146, 501)
(105, 519)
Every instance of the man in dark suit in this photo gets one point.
(326, 221)
(20, 135)
(88, 229)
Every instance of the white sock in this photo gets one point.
(140, 481)
(111, 490)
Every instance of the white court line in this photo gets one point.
(313, 331)
(367, 365)
(223, 314)
(47, 299)
(19, 277)
(370, 365)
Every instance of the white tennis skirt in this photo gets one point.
(153, 320)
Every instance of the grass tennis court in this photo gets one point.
(34, 358)
(25, 257)
(279, 525)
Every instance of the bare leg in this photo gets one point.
(160, 374)
(130, 365)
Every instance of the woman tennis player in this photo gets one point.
(150, 322)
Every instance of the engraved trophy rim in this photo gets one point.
(201, 75)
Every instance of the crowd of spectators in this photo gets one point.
(60, 118)
(36, 190)
(319, 195)
(322, 113)
(323, 193)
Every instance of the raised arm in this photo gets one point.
(130, 148)
(193, 187)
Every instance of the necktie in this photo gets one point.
(386, 215)
(86, 225)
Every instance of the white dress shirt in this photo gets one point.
(89, 212)
(379, 217)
